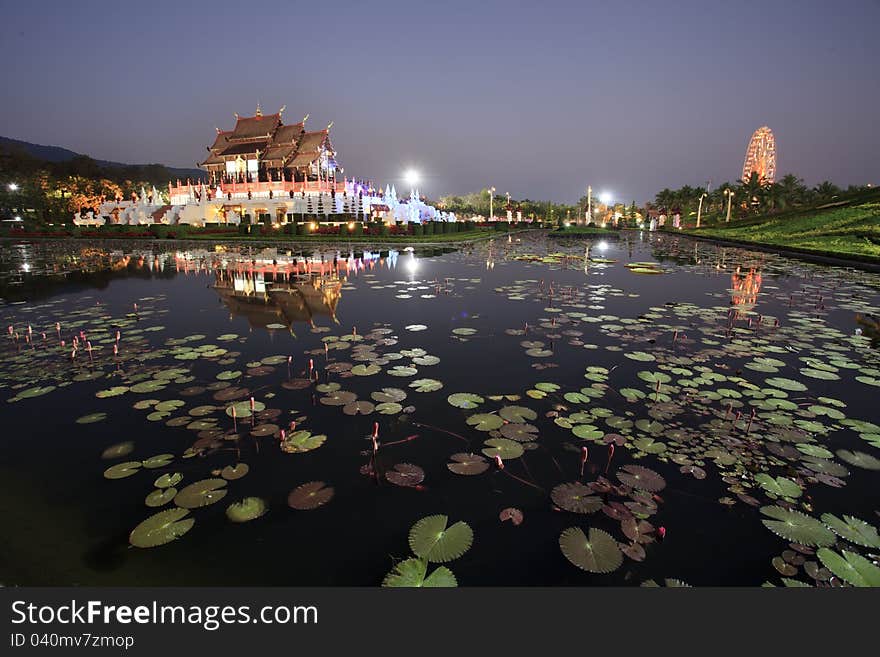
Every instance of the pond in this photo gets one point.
(516, 411)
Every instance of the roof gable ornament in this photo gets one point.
(259, 111)
(281, 111)
(305, 118)
(329, 125)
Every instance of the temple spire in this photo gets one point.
(259, 111)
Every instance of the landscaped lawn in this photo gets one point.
(851, 230)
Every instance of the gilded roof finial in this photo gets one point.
(305, 118)
(330, 125)
(259, 110)
(281, 111)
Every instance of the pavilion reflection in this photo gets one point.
(266, 298)
(744, 288)
(272, 290)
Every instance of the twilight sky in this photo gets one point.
(536, 98)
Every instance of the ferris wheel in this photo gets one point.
(761, 156)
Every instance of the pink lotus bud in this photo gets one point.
(661, 532)
(499, 462)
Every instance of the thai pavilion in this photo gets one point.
(271, 171)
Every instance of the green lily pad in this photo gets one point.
(389, 395)
(426, 385)
(412, 573)
(168, 479)
(91, 418)
(853, 530)
(518, 414)
(598, 553)
(365, 370)
(484, 421)
(798, 527)
(158, 461)
(859, 459)
(302, 441)
(250, 508)
(201, 493)
(161, 528)
(503, 447)
(431, 539)
(850, 567)
(233, 472)
(122, 470)
(465, 400)
(160, 496)
(779, 486)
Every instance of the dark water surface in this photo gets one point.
(747, 384)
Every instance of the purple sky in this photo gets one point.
(536, 98)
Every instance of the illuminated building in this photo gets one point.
(761, 156)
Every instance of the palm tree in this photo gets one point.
(826, 191)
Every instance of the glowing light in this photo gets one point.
(602, 245)
(411, 176)
(351, 225)
(605, 198)
(412, 264)
(13, 187)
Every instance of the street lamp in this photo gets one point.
(729, 194)
(491, 203)
(605, 199)
(13, 187)
(700, 207)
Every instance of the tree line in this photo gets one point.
(48, 191)
(754, 196)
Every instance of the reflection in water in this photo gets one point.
(745, 288)
(268, 298)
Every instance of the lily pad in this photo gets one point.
(798, 527)
(850, 567)
(250, 508)
(468, 464)
(122, 470)
(412, 573)
(465, 400)
(642, 478)
(576, 497)
(237, 471)
(431, 539)
(596, 553)
(302, 441)
(485, 421)
(201, 493)
(311, 495)
(853, 530)
(405, 474)
(506, 449)
(161, 528)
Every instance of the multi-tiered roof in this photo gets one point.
(265, 138)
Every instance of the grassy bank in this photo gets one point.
(847, 230)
